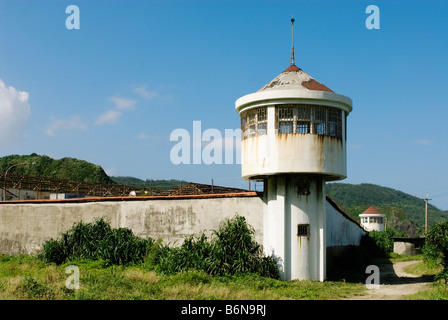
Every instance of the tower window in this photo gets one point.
(285, 116)
(254, 122)
(303, 230)
(262, 121)
(315, 119)
(303, 120)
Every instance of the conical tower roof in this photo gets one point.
(371, 210)
(295, 78)
(294, 85)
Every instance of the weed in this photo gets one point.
(231, 250)
(35, 290)
(97, 241)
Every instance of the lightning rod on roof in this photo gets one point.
(292, 47)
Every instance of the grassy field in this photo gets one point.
(438, 290)
(117, 265)
(26, 277)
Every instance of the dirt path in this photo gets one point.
(395, 284)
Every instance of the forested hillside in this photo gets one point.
(399, 207)
(65, 168)
(77, 170)
(149, 183)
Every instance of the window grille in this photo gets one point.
(295, 118)
(316, 119)
(303, 117)
(262, 121)
(254, 122)
(303, 230)
(320, 120)
(285, 116)
(303, 188)
(334, 123)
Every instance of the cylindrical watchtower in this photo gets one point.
(294, 139)
(372, 219)
(294, 124)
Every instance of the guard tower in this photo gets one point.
(294, 139)
(372, 219)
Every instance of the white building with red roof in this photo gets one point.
(372, 219)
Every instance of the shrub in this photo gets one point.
(234, 251)
(96, 241)
(53, 251)
(383, 240)
(192, 254)
(435, 250)
(121, 247)
(231, 251)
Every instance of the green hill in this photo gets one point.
(65, 168)
(149, 183)
(403, 211)
(77, 170)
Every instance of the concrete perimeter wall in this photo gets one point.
(25, 226)
(342, 233)
(341, 229)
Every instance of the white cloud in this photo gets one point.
(143, 136)
(141, 91)
(111, 171)
(112, 116)
(108, 117)
(73, 123)
(423, 142)
(123, 103)
(15, 111)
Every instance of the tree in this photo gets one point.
(383, 239)
(436, 247)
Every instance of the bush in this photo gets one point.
(231, 251)
(121, 247)
(96, 241)
(234, 251)
(191, 255)
(383, 239)
(435, 250)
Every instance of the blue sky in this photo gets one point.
(112, 91)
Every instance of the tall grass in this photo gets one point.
(231, 250)
(96, 241)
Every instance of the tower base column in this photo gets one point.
(294, 226)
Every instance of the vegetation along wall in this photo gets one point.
(26, 225)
